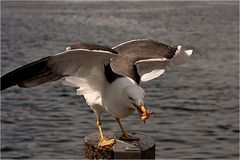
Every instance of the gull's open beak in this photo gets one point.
(143, 112)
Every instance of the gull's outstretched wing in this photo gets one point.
(30, 75)
(78, 61)
(149, 69)
(144, 60)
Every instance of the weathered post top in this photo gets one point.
(142, 149)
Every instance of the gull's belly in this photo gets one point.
(120, 111)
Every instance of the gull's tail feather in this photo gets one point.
(181, 56)
(30, 75)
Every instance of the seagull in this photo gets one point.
(108, 78)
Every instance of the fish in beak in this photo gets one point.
(143, 112)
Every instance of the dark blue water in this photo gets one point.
(196, 105)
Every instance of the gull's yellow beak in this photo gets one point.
(143, 112)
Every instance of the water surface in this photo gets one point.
(195, 105)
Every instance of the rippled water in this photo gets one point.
(195, 105)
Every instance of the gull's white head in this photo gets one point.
(133, 97)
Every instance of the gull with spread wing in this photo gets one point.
(108, 78)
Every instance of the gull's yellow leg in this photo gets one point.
(124, 135)
(103, 142)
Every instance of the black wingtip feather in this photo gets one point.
(34, 73)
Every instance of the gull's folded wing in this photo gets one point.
(72, 62)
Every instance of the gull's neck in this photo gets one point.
(118, 85)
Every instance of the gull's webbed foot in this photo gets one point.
(124, 135)
(128, 137)
(104, 142)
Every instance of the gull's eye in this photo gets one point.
(130, 98)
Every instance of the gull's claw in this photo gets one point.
(128, 137)
(104, 142)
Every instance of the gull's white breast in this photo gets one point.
(113, 101)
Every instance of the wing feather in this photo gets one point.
(151, 68)
(29, 75)
(73, 62)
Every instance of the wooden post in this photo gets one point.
(142, 149)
